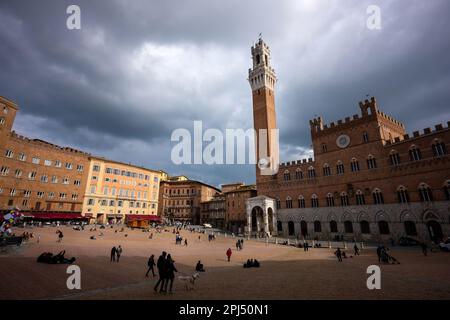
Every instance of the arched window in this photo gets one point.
(291, 228)
(439, 149)
(314, 201)
(289, 202)
(326, 170)
(414, 153)
(333, 226)
(278, 203)
(365, 137)
(354, 165)
(425, 193)
(371, 162)
(360, 200)
(287, 175)
(377, 196)
(298, 174)
(383, 227)
(410, 228)
(348, 226)
(365, 227)
(339, 167)
(402, 194)
(317, 226)
(311, 173)
(301, 201)
(344, 199)
(394, 158)
(330, 200)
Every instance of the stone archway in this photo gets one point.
(261, 216)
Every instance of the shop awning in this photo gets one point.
(131, 217)
(56, 216)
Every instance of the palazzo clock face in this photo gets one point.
(343, 141)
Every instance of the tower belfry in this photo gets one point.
(262, 79)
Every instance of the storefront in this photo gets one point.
(141, 221)
(55, 216)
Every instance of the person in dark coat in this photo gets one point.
(170, 272)
(424, 248)
(151, 264)
(229, 254)
(356, 249)
(338, 254)
(379, 249)
(161, 265)
(113, 254)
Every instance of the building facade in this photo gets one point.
(117, 192)
(213, 211)
(369, 179)
(180, 199)
(37, 177)
(236, 196)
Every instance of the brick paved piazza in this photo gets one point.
(285, 273)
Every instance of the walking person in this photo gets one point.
(338, 254)
(170, 272)
(60, 235)
(113, 254)
(229, 254)
(151, 264)
(119, 252)
(161, 265)
(242, 244)
(185, 242)
(356, 249)
(379, 249)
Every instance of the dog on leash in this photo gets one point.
(189, 281)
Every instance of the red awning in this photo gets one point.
(131, 217)
(56, 216)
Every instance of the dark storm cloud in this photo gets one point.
(140, 69)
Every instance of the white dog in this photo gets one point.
(189, 281)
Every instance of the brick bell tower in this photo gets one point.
(262, 79)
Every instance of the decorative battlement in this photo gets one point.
(46, 144)
(417, 134)
(296, 162)
(368, 108)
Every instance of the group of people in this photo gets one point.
(239, 244)
(50, 258)
(27, 235)
(384, 256)
(211, 237)
(116, 253)
(179, 240)
(341, 253)
(252, 263)
(166, 271)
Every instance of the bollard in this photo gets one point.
(288, 242)
(362, 245)
(345, 245)
(276, 240)
(225, 234)
(329, 244)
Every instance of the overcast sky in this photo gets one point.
(139, 69)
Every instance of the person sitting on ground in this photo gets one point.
(93, 238)
(247, 264)
(199, 267)
(256, 263)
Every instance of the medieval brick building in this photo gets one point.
(369, 179)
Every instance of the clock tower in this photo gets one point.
(262, 79)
